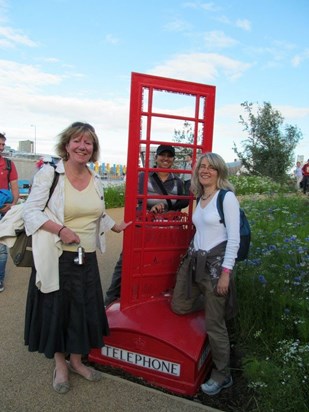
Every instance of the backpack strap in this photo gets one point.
(180, 187)
(220, 199)
(8, 168)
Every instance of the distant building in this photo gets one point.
(26, 146)
(234, 167)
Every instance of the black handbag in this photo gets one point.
(21, 251)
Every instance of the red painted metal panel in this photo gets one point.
(133, 289)
(149, 351)
(143, 327)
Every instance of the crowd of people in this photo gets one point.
(65, 310)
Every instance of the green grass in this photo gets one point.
(272, 326)
(114, 196)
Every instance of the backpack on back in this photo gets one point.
(244, 229)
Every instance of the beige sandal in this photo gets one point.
(94, 376)
(62, 387)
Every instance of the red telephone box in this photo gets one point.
(147, 339)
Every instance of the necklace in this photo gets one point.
(205, 197)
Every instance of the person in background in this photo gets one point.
(305, 170)
(298, 175)
(8, 181)
(165, 156)
(65, 312)
(187, 176)
(206, 280)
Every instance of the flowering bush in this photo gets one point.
(273, 294)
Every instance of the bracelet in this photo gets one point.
(63, 227)
(226, 270)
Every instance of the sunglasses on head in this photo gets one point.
(84, 125)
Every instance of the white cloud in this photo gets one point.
(5, 44)
(243, 24)
(17, 75)
(298, 59)
(24, 101)
(177, 25)
(198, 5)
(111, 39)
(3, 10)
(292, 113)
(217, 39)
(201, 67)
(51, 60)
(228, 130)
(12, 37)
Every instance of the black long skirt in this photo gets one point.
(71, 319)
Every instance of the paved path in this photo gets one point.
(26, 378)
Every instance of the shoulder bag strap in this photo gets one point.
(163, 190)
(52, 188)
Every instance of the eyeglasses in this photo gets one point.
(210, 168)
(83, 125)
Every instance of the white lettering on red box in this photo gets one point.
(149, 362)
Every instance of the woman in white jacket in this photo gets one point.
(65, 312)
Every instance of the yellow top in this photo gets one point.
(82, 209)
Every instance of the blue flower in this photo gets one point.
(290, 239)
(297, 280)
(262, 279)
(255, 262)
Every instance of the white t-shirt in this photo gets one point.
(210, 232)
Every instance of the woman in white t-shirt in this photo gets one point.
(213, 251)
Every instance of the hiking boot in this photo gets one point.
(1, 286)
(212, 387)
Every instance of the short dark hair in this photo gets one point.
(2, 136)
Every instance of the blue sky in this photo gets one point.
(68, 60)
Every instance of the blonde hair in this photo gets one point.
(217, 162)
(77, 129)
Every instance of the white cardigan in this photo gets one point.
(34, 217)
(46, 247)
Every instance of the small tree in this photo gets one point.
(269, 147)
(185, 135)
